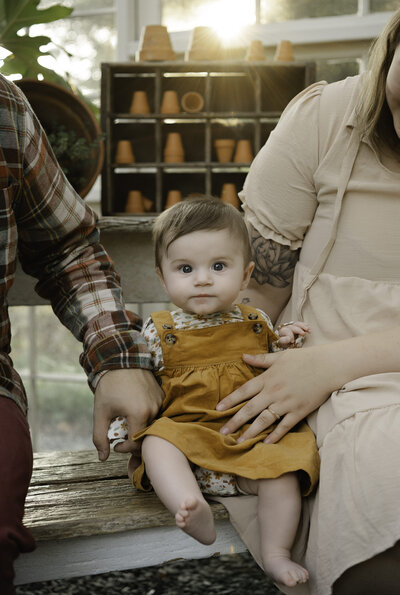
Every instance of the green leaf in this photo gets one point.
(25, 50)
(16, 14)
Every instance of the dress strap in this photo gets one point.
(248, 311)
(252, 314)
(344, 177)
(163, 321)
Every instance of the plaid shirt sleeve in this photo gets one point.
(58, 243)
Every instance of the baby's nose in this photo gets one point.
(203, 277)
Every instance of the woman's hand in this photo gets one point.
(295, 383)
(298, 381)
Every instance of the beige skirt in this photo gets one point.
(342, 524)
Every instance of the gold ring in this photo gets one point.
(272, 412)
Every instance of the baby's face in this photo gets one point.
(204, 271)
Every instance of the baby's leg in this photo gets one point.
(174, 483)
(279, 507)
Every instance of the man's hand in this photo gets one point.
(133, 393)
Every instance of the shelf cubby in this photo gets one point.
(242, 101)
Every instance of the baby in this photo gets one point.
(203, 259)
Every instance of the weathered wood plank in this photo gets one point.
(120, 551)
(73, 495)
(63, 467)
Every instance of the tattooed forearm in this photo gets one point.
(274, 263)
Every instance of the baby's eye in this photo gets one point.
(185, 268)
(218, 266)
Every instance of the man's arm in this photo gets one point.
(270, 286)
(59, 245)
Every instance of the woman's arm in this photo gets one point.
(298, 381)
(271, 283)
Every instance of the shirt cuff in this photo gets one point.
(124, 350)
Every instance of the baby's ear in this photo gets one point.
(247, 274)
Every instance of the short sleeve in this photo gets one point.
(279, 198)
(152, 338)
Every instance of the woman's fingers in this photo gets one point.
(243, 393)
(251, 387)
(253, 408)
(285, 425)
(266, 418)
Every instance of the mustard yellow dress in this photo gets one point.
(201, 367)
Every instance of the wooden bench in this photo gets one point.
(88, 519)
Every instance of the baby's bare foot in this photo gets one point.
(285, 571)
(195, 518)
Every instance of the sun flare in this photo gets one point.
(228, 18)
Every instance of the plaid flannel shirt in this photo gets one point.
(54, 234)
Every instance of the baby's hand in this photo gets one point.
(292, 334)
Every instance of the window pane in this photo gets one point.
(90, 41)
(181, 15)
(335, 70)
(57, 349)
(64, 416)
(271, 10)
(382, 5)
(19, 319)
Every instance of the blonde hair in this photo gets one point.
(373, 114)
(202, 213)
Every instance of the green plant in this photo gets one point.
(73, 153)
(16, 16)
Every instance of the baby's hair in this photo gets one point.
(198, 214)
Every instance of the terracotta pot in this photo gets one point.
(255, 51)
(124, 152)
(55, 106)
(170, 103)
(139, 103)
(173, 197)
(284, 52)
(155, 44)
(192, 102)
(204, 45)
(147, 203)
(224, 148)
(173, 151)
(229, 195)
(243, 153)
(134, 203)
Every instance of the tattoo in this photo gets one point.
(274, 263)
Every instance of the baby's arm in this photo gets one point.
(292, 334)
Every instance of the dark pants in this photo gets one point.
(15, 475)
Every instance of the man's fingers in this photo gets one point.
(100, 439)
(127, 446)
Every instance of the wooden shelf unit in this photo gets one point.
(242, 100)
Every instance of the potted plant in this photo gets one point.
(67, 118)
